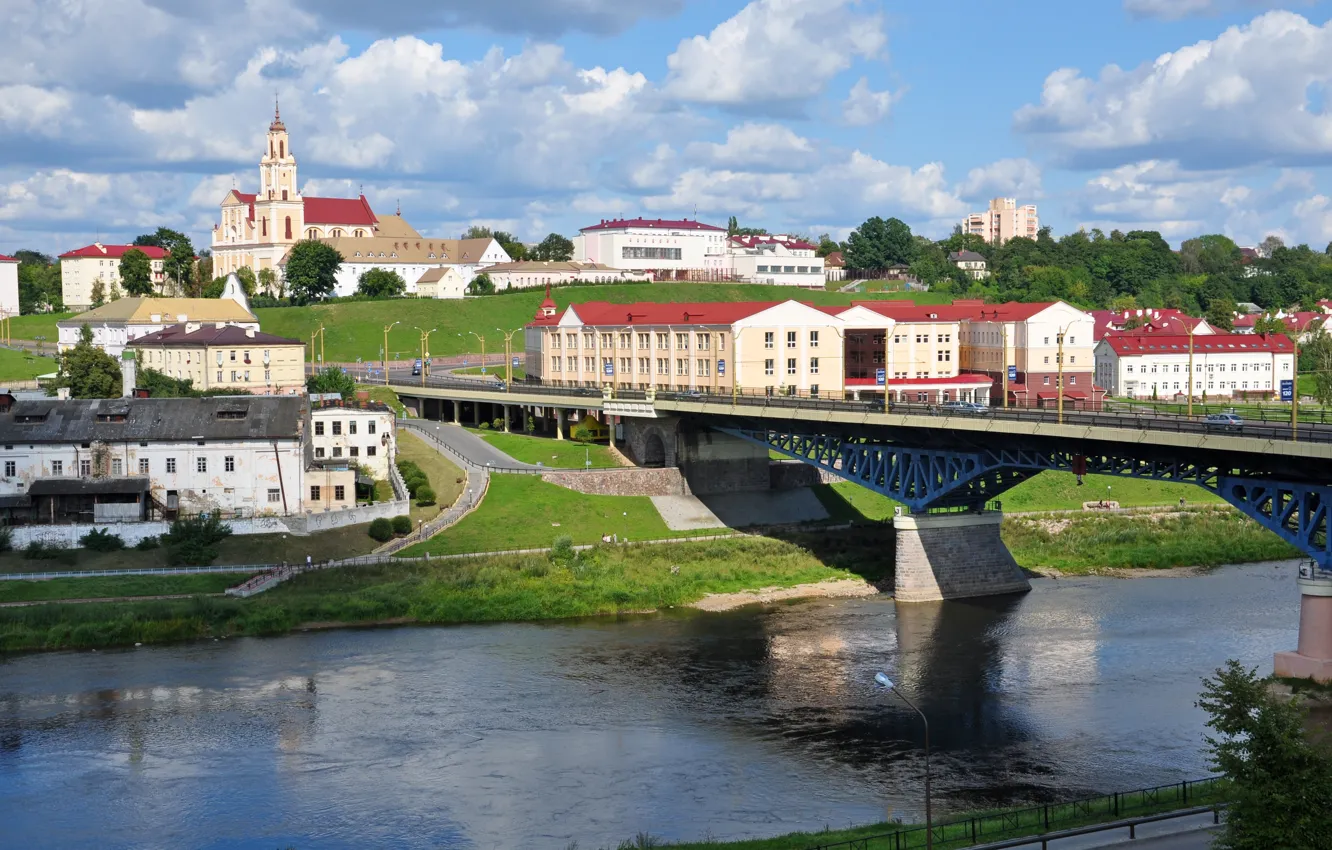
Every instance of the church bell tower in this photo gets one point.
(277, 169)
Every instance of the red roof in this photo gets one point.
(248, 199)
(115, 252)
(909, 311)
(210, 334)
(4, 259)
(647, 313)
(663, 223)
(754, 241)
(835, 260)
(1294, 321)
(339, 211)
(1163, 343)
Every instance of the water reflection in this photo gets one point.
(748, 723)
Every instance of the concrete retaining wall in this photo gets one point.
(793, 474)
(719, 463)
(133, 532)
(628, 481)
(325, 520)
(953, 556)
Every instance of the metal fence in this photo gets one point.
(966, 832)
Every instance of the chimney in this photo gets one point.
(129, 368)
(249, 333)
(191, 327)
(362, 397)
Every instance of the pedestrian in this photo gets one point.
(308, 562)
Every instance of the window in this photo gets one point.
(636, 253)
(143, 466)
(681, 341)
(337, 451)
(607, 340)
(645, 366)
(1074, 379)
(768, 366)
(171, 464)
(85, 467)
(1073, 358)
(319, 429)
(219, 376)
(201, 464)
(229, 463)
(1047, 380)
(681, 367)
(663, 341)
(704, 341)
(767, 339)
(370, 451)
(790, 339)
(1047, 340)
(813, 390)
(813, 339)
(337, 427)
(274, 495)
(10, 468)
(945, 356)
(339, 493)
(624, 340)
(314, 493)
(268, 375)
(663, 366)
(790, 366)
(370, 427)
(57, 467)
(117, 466)
(319, 451)
(351, 427)
(644, 340)
(624, 365)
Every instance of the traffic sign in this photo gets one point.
(721, 367)
(880, 377)
(1287, 390)
(610, 368)
(516, 362)
(1012, 373)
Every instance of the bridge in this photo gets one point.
(949, 469)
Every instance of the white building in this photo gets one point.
(441, 282)
(81, 268)
(774, 260)
(9, 298)
(132, 458)
(116, 324)
(1157, 365)
(530, 274)
(411, 256)
(970, 262)
(1004, 220)
(362, 432)
(667, 248)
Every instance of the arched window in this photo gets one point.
(282, 149)
(284, 194)
(264, 224)
(311, 233)
(288, 227)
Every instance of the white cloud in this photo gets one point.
(1171, 10)
(864, 106)
(1009, 178)
(535, 17)
(1250, 96)
(773, 52)
(758, 147)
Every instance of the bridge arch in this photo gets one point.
(654, 450)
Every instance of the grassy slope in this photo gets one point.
(547, 450)
(23, 366)
(519, 373)
(356, 329)
(387, 395)
(520, 512)
(96, 588)
(38, 324)
(442, 473)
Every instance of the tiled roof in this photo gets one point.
(1138, 344)
(644, 313)
(210, 334)
(965, 257)
(554, 266)
(367, 249)
(4, 259)
(114, 252)
(247, 198)
(835, 260)
(659, 223)
(1294, 321)
(908, 311)
(167, 419)
(350, 211)
(141, 310)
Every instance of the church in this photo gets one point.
(258, 229)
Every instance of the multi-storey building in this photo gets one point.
(1021, 344)
(411, 256)
(773, 260)
(81, 268)
(218, 356)
(1004, 220)
(668, 248)
(121, 322)
(9, 299)
(362, 432)
(1157, 365)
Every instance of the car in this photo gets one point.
(1227, 421)
(963, 407)
(416, 368)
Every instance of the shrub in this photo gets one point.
(193, 539)
(484, 426)
(102, 540)
(147, 543)
(498, 424)
(402, 525)
(562, 551)
(416, 482)
(39, 551)
(381, 529)
(425, 496)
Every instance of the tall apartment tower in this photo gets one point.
(1003, 221)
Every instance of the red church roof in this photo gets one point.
(351, 211)
(247, 198)
(115, 252)
(661, 223)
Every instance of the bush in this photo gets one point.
(425, 496)
(402, 525)
(498, 424)
(39, 551)
(484, 426)
(562, 551)
(381, 529)
(102, 540)
(148, 543)
(193, 539)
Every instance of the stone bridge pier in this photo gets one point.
(1313, 657)
(712, 462)
(953, 556)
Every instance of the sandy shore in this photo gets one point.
(831, 589)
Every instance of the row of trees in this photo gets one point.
(554, 248)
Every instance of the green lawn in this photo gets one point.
(524, 512)
(387, 395)
(113, 586)
(38, 324)
(549, 451)
(444, 475)
(23, 365)
(356, 329)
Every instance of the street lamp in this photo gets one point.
(1295, 383)
(425, 351)
(1059, 357)
(483, 349)
(883, 680)
(508, 356)
(387, 328)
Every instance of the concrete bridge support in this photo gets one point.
(1313, 657)
(715, 462)
(953, 556)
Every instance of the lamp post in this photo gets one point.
(508, 356)
(1059, 358)
(483, 350)
(883, 680)
(1003, 367)
(387, 328)
(425, 351)
(319, 333)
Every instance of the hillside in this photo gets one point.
(356, 329)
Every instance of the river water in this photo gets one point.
(684, 725)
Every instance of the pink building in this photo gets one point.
(1004, 220)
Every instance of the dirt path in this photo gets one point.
(104, 599)
(831, 589)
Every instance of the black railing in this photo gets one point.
(965, 832)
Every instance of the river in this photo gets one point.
(684, 725)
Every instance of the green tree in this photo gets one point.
(268, 282)
(331, 380)
(179, 262)
(39, 283)
(1121, 303)
(380, 283)
(214, 288)
(1316, 361)
(245, 275)
(1279, 779)
(478, 231)
(481, 285)
(160, 385)
(732, 226)
(515, 249)
(554, 248)
(826, 246)
(88, 371)
(137, 272)
(98, 293)
(1221, 314)
(312, 269)
(877, 244)
(1267, 323)
(115, 291)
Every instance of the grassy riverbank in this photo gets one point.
(607, 580)
(564, 454)
(54, 590)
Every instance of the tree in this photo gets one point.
(1221, 314)
(88, 371)
(478, 231)
(161, 385)
(245, 275)
(331, 380)
(312, 269)
(516, 250)
(1122, 303)
(214, 289)
(555, 248)
(98, 293)
(39, 283)
(115, 291)
(179, 262)
(826, 246)
(1279, 778)
(381, 283)
(481, 285)
(877, 244)
(268, 282)
(137, 272)
(1269, 324)
(732, 226)
(1316, 361)
(1269, 245)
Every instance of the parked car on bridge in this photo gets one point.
(1226, 421)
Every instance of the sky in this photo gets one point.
(800, 116)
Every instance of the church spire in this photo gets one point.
(277, 125)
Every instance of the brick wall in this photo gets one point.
(622, 482)
(953, 556)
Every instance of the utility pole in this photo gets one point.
(425, 351)
(1060, 358)
(1190, 383)
(387, 328)
(1003, 367)
(483, 350)
(319, 333)
(508, 356)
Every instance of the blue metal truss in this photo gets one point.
(937, 478)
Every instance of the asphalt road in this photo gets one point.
(1191, 833)
(472, 447)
